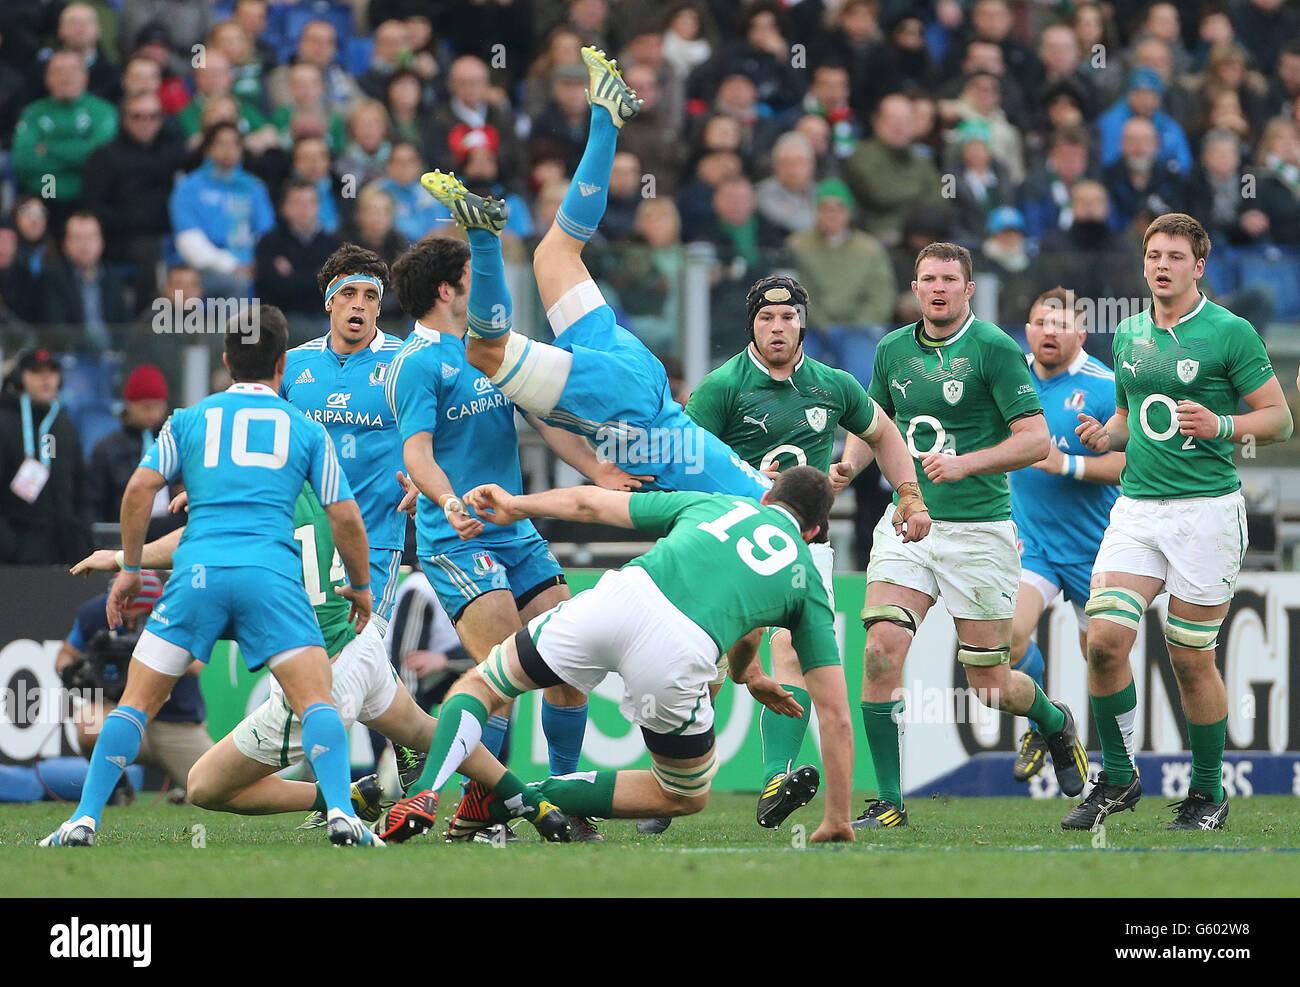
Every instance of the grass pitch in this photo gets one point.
(954, 847)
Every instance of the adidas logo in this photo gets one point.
(586, 189)
(448, 371)
(305, 377)
(317, 750)
(117, 759)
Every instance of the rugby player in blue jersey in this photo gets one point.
(338, 380)
(1061, 504)
(243, 455)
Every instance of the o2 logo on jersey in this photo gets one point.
(338, 400)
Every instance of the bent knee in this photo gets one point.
(204, 791)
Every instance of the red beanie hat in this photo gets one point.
(146, 383)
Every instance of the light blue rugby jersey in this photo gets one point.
(244, 454)
(346, 395)
(432, 388)
(1062, 517)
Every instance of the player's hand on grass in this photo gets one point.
(1197, 420)
(410, 494)
(126, 587)
(771, 694)
(940, 467)
(1093, 434)
(828, 832)
(180, 502)
(610, 477)
(104, 560)
(841, 477)
(363, 604)
(493, 503)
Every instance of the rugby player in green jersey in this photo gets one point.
(1182, 369)
(239, 775)
(960, 393)
(777, 408)
(726, 565)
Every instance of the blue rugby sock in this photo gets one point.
(490, 307)
(1032, 665)
(584, 204)
(117, 746)
(325, 743)
(494, 733)
(565, 727)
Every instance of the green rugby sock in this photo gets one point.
(1116, 717)
(1207, 741)
(460, 726)
(1045, 713)
(319, 805)
(782, 735)
(883, 732)
(583, 793)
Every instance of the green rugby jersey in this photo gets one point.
(956, 397)
(322, 570)
(780, 422)
(1210, 356)
(731, 564)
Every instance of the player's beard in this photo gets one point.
(952, 313)
(785, 358)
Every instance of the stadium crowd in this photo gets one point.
(175, 149)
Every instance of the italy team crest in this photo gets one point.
(816, 418)
(1187, 370)
(952, 391)
(484, 563)
(379, 374)
(1076, 401)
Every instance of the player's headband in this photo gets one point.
(346, 279)
(776, 291)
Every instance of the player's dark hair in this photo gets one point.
(806, 491)
(947, 251)
(419, 273)
(1063, 298)
(352, 259)
(255, 341)
(777, 289)
(1183, 225)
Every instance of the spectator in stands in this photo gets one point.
(416, 211)
(1213, 27)
(288, 258)
(737, 97)
(928, 138)
(645, 51)
(1277, 169)
(78, 32)
(1045, 196)
(141, 77)
(908, 62)
(468, 87)
(218, 212)
(1222, 110)
(1140, 186)
(366, 154)
(981, 101)
(116, 456)
(318, 45)
(738, 230)
(307, 114)
(686, 47)
(410, 119)
(1227, 68)
(214, 78)
(1284, 87)
(1163, 22)
(311, 163)
(653, 136)
(177, 735)
(817, 132)
(562, 127)
(849, 279)
(1264, 26)
(1004, 255)
(56, 134)
(78, 289)
(154, 45)
(625, 192)
(981, 182)
(985, 56)
(1215, 194)
(695, 200)
(785, 198)
(1063, 105)
(181, 299)
(1143, 98)
(231, 40)
(372, 227)
(991, 22)
(33, 248)
(1179, 102)
(187, 23)
(886, 174)
(562, 46)
(391, 51)
(547, 202)
(128, 182)
(762, 55)
(854, 42)
(43, 517)
(828, 97)
(252, 16)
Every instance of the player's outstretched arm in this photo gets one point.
(1269, 419)
(428, 476)
(156, 554)
(575, 451)
(1028, 442)
(829, 697)
(349, 534)
(589, 504)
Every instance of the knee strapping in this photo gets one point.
(969, 654)
(1195, 635)
(686, 782)
(579, 300)
(495, 673)
(1117, 604)
(533, 374)
(904, 617)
